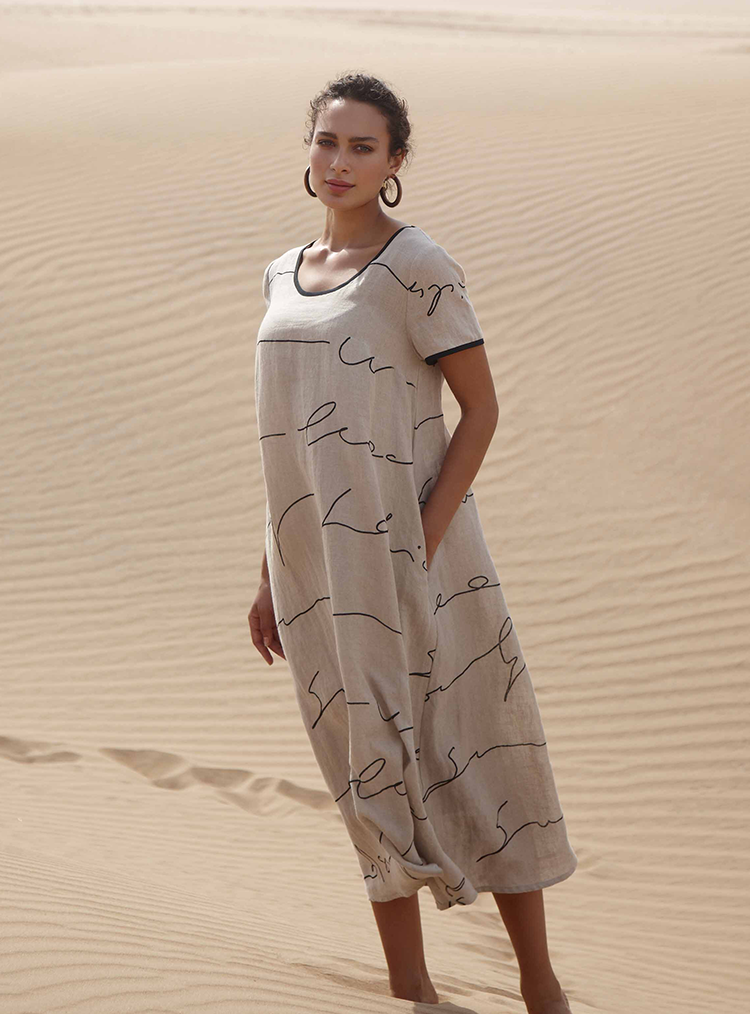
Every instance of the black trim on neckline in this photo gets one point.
(324, 292)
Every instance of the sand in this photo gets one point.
(166, 840)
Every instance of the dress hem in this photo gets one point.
(530, 887)
(484, 889)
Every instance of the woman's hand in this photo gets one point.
(263, 624)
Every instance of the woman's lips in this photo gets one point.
(339, 188)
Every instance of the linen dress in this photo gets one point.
(411, 682)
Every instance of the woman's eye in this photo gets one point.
(326, 141)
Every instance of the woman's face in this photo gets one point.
(350, 143)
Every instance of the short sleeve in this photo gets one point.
(440, 318)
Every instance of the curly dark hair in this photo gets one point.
(370, 89)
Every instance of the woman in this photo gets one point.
(377, 585)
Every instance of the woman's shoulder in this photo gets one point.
(430, 265)
(284, 262)
(283, 258)
(424, 252)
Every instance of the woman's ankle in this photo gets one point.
(544, 985)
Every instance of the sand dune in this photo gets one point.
(167, 842)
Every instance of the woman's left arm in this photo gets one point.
(468, 375)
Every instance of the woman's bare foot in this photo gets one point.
(549, 999)
(422, 992)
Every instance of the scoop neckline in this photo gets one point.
(324, 292)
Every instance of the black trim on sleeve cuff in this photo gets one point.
(431, 360)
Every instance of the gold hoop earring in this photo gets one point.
(392, 204)
(308, 188)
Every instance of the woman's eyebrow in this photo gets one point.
(327, 133)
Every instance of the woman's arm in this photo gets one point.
(468, 375)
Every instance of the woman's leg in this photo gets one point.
(523, 915)
(400, 928)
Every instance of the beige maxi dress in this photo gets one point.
(411, 682)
